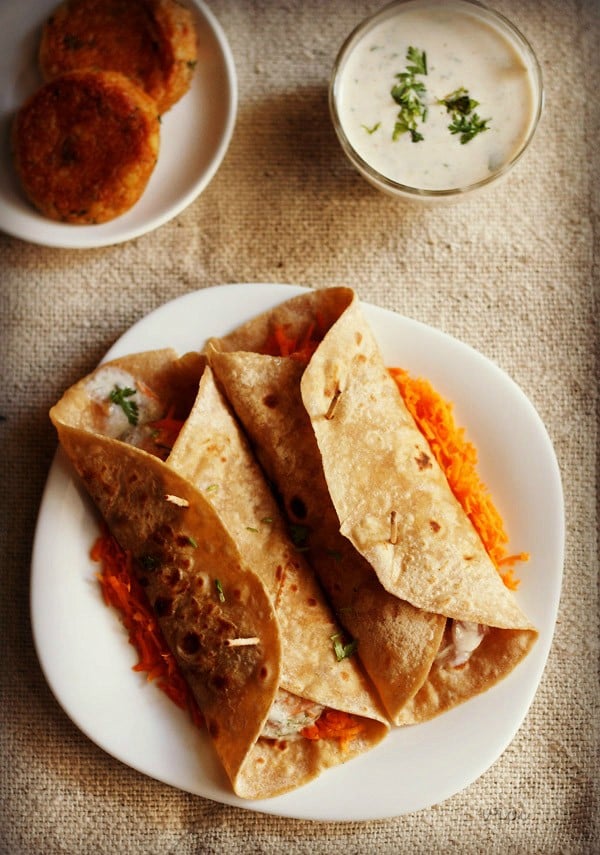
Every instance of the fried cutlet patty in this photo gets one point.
(151, 41)
(85, 145)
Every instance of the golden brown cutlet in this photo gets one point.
(85, 145)
(151, 41)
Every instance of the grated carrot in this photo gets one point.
(164, 433)
(122, 591)
(458, 458)
(146, 390)
(334, 724)
(301, 347)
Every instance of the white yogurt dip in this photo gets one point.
(468, 54)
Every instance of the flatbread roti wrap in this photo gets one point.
(183, 551)
(213, 454)
(233, 685)
(396, 643)
(391, 500)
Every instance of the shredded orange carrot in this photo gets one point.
(165, 432)
(334, 724)
(123, 592)
(301, 347)
(146, 390)
(458, 458)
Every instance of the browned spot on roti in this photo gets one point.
(163, 606)
(190, 643)
(270, 401)
(423, 461)
(298, 507)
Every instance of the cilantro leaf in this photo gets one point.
(409, 93)
(419, 60)
(468, 127)
(120, 397)
(341, 650)
(372, 129)
(465, 121)
(459, 101)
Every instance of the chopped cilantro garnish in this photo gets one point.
(372, 129)
(341, 650)
(120, 397)
(419, 60)
(459, 101)
(465, 120)
(409, 94)
(220, 592)
(468, 127)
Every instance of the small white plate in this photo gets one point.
(87, 659)
(194, 135)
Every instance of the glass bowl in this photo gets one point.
(375, 85)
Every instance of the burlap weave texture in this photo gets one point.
(514, 273)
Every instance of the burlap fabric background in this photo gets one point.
(514, 273)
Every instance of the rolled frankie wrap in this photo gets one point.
(383, 492)
(399, 512)
(213, 454)
(228, 651)
(304, 729)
